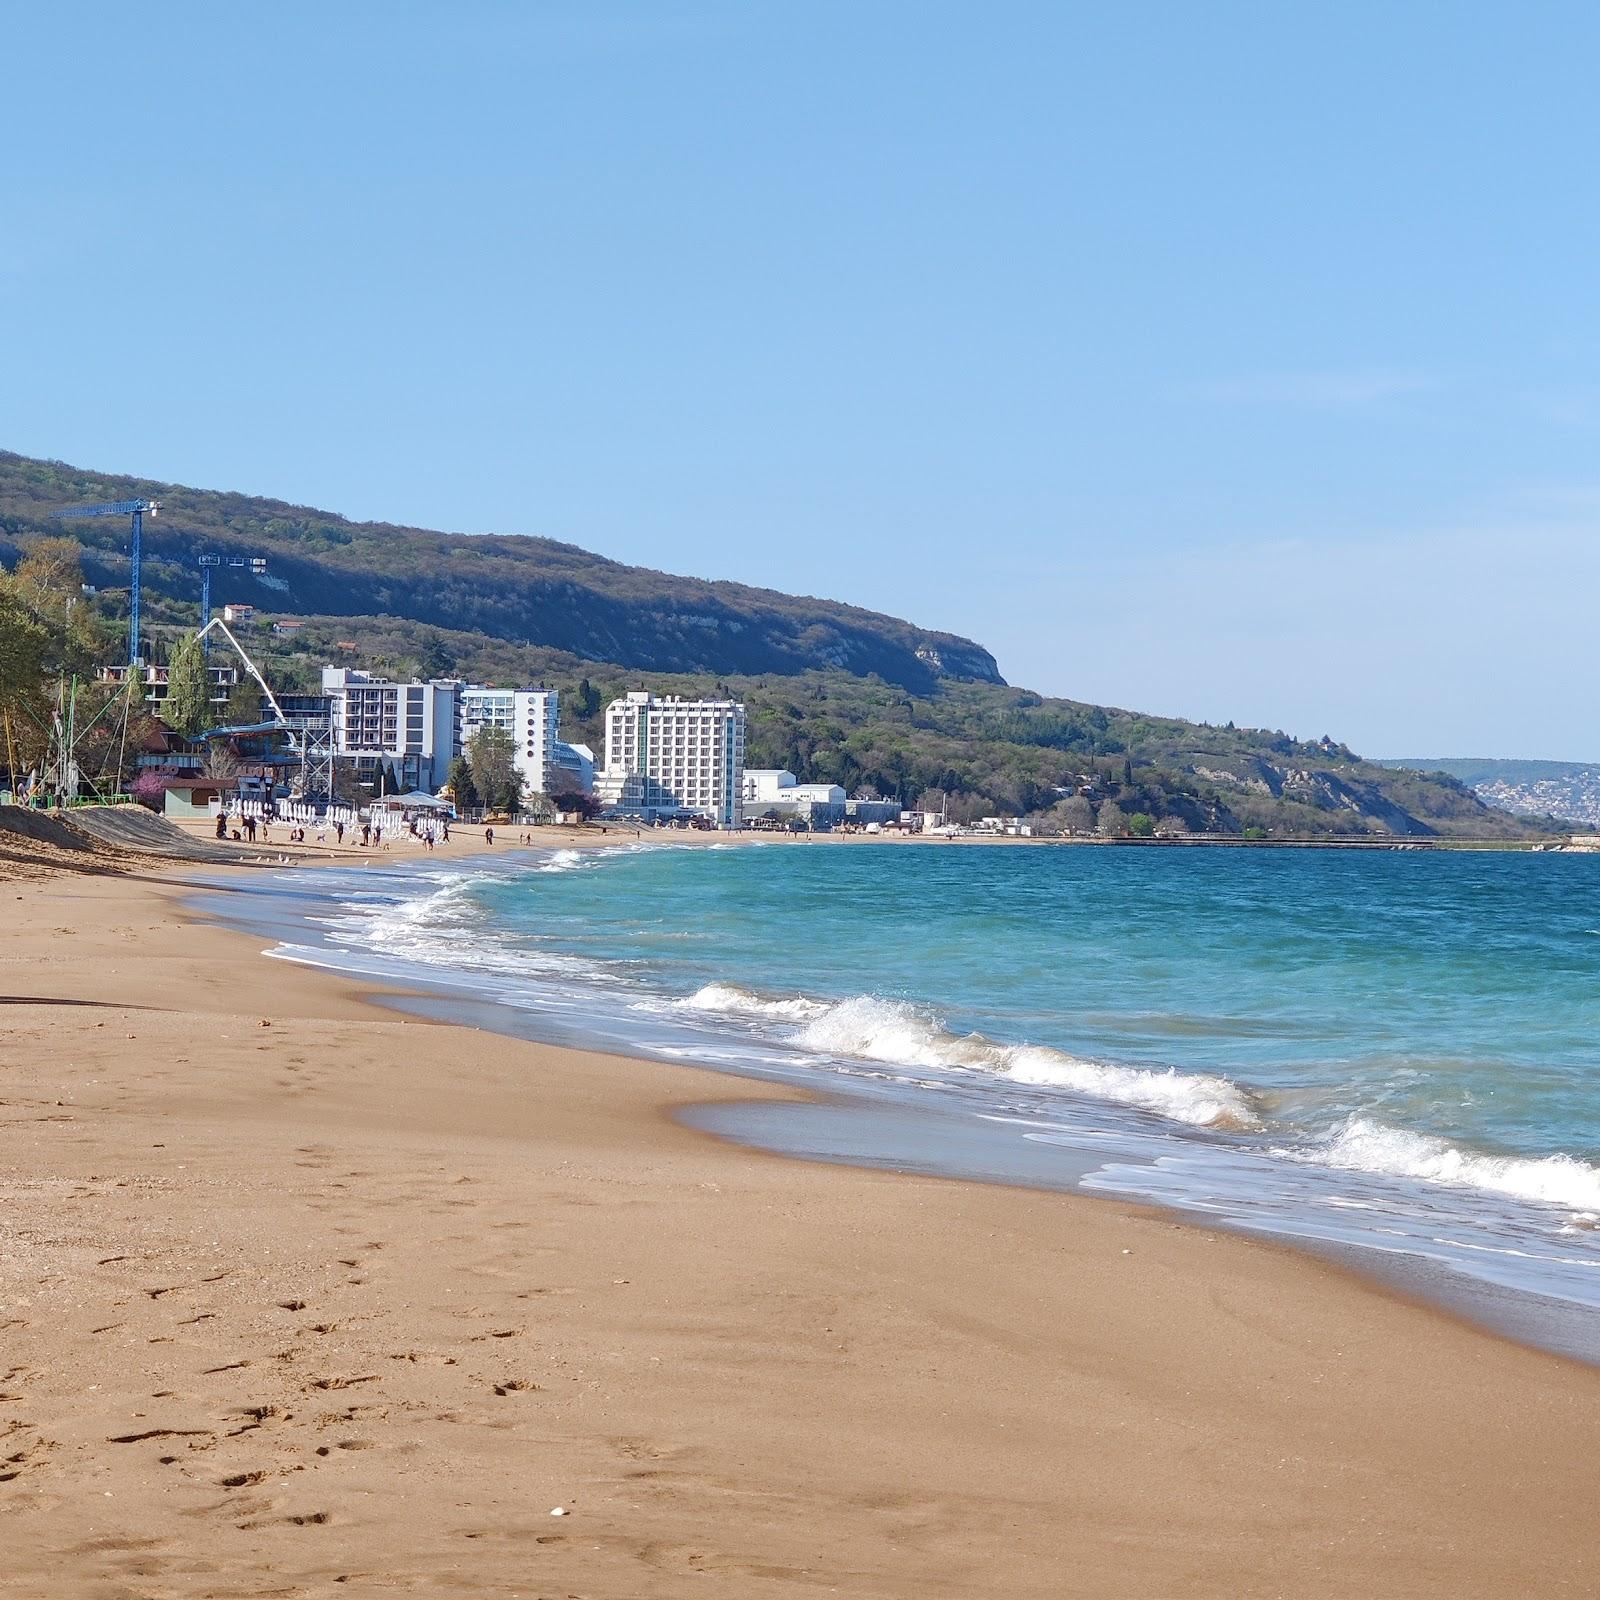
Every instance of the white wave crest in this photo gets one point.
(900, 1034)
(1362, 1144)
(565, 861)
(1206, 1100)
(729, 999)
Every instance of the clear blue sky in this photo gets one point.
(1237, 361)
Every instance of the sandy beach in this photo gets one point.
(299, 1297)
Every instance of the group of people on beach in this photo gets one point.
(244, 830)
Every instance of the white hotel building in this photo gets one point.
(528, 715)
(672, 757)
(400, 735)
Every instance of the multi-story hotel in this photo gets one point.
(670, 757)
(528, 715)
(402, 735)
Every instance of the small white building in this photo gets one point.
(764, 785)
(773, 789)
(236, 614)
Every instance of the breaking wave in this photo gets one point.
(897, 1033)
(567, 861)
(1361, 1144)
(729, 999)
(444, 928)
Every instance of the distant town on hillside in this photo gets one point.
(1565, 789)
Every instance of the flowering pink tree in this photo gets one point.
(150, 789)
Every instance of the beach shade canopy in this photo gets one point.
(415, 801)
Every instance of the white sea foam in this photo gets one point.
(443, 928)
(1207, 1100)
(729, 999)
(566, 861)
(1362, 1144)
(897, 1033)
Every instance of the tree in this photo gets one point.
(1142, 825)
(1111, 821)
(244, 703)
(436, 659)
(24, 651)
(49, 582)
(150, 789)
(568, 794)
(462, 789)
(1072, 815)
(188, 703)
(588, 698)
(492, 760)
(221, 762)
(347, 785)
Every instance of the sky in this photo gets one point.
(1235, 361)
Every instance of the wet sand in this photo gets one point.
(299, 1297)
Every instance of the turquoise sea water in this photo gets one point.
(1394, 1050)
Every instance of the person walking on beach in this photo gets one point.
(250, 829)
(488, 835)
(338, 830)
(222, 824)
(366, 834)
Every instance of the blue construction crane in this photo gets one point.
(208, 563)
(136, 509)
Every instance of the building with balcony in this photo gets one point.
(688, 756)
(528, 715)
(399, 736)
(153, 681)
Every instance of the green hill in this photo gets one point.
(835, 693)
(513, 588)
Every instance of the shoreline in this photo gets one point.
(941, 1387)
(1518, 1286)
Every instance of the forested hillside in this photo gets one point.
(523, 590)
(989, 747)
(834, 693)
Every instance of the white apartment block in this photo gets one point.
(528, 715)
(687, 754)
(403, 734)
